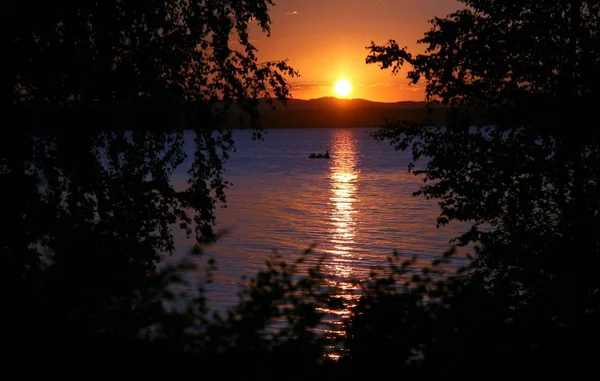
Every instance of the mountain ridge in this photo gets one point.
(341, 112)
(352, 102)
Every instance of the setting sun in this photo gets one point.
(342, 87)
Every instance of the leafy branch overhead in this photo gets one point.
(118, 52)
(83, 74)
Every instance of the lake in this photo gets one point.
(357, 206)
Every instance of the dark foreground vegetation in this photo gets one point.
(88, 207)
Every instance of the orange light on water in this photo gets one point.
(343, 182)
(344, 217)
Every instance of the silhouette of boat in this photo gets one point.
(319, 155)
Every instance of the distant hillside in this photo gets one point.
(354, 103)
(334, 112)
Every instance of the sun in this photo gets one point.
(342, 87)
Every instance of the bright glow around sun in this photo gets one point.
(342, 87)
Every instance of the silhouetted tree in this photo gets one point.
(529, 170)
(102, 92)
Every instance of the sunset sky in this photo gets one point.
(325, 41)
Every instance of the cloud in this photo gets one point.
(378, 84)
(409, 87)
(291, 13)
(303, 86)
(311, 86)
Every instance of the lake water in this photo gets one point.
(357, 206)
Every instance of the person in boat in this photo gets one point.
(319, 155)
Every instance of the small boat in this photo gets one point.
(319, 155)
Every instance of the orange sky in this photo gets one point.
(325, 41)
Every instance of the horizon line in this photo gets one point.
(354, 99)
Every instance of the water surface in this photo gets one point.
(357, 206)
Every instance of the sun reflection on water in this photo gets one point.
(343, 183)
(344, 219)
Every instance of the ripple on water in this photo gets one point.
(357, 207)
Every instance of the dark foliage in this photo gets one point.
(102, 93)
(526, 176)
